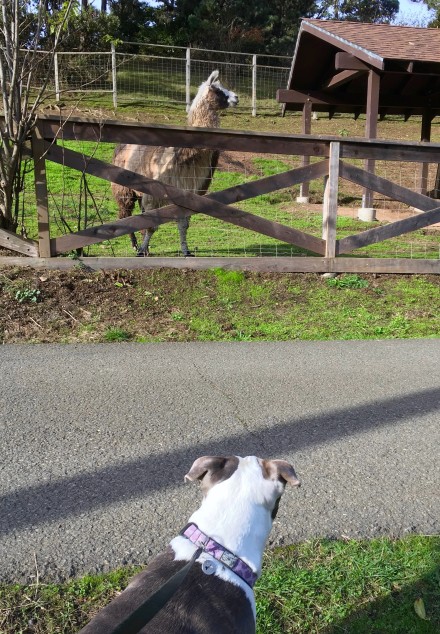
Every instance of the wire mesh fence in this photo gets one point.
(79, 201)
(143, 74)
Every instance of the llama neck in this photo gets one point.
(201, 115)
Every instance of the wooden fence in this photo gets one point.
(330, 150)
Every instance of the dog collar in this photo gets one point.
(219, 552)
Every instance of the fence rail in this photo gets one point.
(160, 74)
(334, 156)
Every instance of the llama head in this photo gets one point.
(213, 90)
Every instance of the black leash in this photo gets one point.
(151, 606)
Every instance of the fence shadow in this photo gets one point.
(100, 488)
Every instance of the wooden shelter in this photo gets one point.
(376, 69)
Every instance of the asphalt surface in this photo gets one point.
(95, 441)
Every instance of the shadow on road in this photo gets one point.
(82, 493)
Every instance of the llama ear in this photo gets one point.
(213, 77)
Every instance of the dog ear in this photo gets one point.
(202, 465)
(283, 471)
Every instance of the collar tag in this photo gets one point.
(209, 567)
(219, 553)
(228, 558)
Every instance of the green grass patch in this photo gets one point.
(116, 334)
(320, 587)
(358, 587)
(224, 305)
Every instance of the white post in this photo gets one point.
(188, 78)
(330, 207)
(57, 77)
(254, 85)
(115, 92)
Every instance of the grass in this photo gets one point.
(351, 586)
(319, 587)
(216, 305)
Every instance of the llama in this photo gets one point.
(190, 169)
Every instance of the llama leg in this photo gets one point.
(126, 199)
(144, 248)
(183, 224)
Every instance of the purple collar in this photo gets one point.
(219, 552)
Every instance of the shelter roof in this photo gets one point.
(332, 59)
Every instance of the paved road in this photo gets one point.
(96, 439)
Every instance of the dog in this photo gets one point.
(227, 535)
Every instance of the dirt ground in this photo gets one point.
(84, 306)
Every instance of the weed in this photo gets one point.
(177, 315)
(27, 295)
(116, 334)
(348, 281)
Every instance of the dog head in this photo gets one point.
(260, 481)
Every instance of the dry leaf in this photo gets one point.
(419, 608)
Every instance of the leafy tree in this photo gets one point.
(261, 26)
(135, 18)
(90, 30)
(379, 11)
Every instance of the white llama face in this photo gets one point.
(226, 97)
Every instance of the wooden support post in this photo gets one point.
(306, 129)
(425, 136)
(371, 127)
(330, 207)
(38, 150)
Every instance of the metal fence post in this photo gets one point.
(188, 78)
(115, 92)
(254, 85)
(57, 77)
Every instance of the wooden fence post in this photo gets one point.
(330, 207)
(41, 195)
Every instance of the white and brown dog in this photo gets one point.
(241, 497)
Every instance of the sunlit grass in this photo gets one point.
(319, 587)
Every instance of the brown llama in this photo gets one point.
(190, 169)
